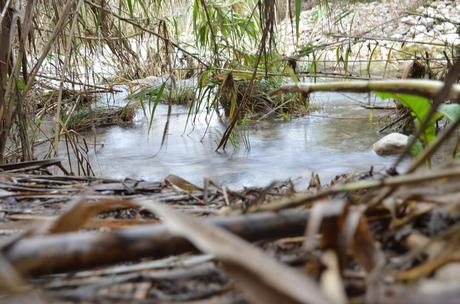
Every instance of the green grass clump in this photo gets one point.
(84, 117)
(180, 95)
(258, 103)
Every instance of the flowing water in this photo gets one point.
(333, 140)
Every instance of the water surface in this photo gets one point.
(333, 140)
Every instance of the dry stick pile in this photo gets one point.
(74, 239)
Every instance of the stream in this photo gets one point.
(335, 139)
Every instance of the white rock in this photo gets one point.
(445, 28)
(421, 37)
(409, 20)
(393, 143)
(451, 38)
(420, 29)
(428, 22)
(430, 11)
(444, 11)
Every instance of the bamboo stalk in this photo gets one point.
(425, 88)
(77, 251)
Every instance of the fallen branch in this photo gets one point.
(425, 88)
(32, 165)
(77, 251)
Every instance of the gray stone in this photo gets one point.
(390, 144)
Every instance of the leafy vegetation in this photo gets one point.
(420, 107)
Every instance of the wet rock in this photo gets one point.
(393, 143)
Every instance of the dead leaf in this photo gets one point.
(363, 246)
(181, 183)
(10, 280)
(323, 214)
(331, 280)
(81, 211)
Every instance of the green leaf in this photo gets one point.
(21, 85)
(196, 10)
(298, 9)
(306, 50)
(420, 107)
(157, 100)
(370, 60)
(450, 111)
(416, 148)
(144, 7)
(203, 79)
(347, 58)
(338, 53)
(292, 74)
(130, 8)
(313, 67)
